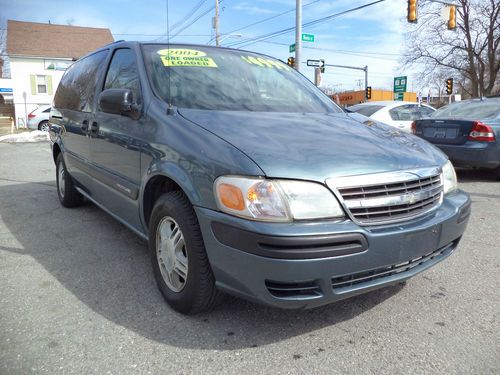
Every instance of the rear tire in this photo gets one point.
(44, 126)
(178, 256)
(68, 195)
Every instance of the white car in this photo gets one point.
(395, 113)
(39, 118)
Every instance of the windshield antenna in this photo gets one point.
(170, 109)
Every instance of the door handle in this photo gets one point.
(94, 128)
(85, 125)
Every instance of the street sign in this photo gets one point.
(305, 38)
(308, 37)
(399, 87)
(400, 84)
(399, 95)
(316, 63)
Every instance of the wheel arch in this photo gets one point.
(162, 182)
(56, 150)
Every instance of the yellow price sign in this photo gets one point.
(265, 63)
(186, 57)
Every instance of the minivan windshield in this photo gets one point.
(220, 79)
(474, 109)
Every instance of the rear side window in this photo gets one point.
(77, 88)
(122, 73)
(425, 111)
(402, 113)
(365, 110)
(409, 112)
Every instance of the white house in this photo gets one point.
(39, 54)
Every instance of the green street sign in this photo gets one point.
(399, 96)
(292, 48)
(308, 37)
(400, 84)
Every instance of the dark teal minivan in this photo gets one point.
(246, 179)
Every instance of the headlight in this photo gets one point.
(449, 178)
(275, 200)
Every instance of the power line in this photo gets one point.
(193, 21)
(266, 19)
(188, 15)
(307, 24)
(343, 52)
(311, 23)
(196, 19)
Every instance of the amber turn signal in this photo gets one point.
(231, 197)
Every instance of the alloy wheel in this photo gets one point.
(171, 254)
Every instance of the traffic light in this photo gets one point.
(368, 92)
(449, 86)
(412, 11)
(452, 20)
(291, 61)
(322, 66)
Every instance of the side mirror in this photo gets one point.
(118, 102)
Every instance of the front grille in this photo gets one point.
(400, 268)
(373, 199)
(304, 290)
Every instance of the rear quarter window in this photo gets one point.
(77, 88)
(409, 112)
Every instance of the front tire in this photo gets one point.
(178, 256)
(68, 195)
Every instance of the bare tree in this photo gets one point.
(470, 54)
(3, 46)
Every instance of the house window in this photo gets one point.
(41, 84)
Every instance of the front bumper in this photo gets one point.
(473, 154)
(309, 264)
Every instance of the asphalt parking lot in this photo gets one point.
(77, 295)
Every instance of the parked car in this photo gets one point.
(467, 131)
(245, 178)
(395, 113)
(39, 118)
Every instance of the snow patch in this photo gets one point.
(34, 136)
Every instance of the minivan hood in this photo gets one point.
(317, 146)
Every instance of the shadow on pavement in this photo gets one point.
(107, 267)
(476, 175)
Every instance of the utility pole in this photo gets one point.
(298, 33)
(317, 76)
(216, 24)
(366, 76)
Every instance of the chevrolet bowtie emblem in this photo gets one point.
(411, 198)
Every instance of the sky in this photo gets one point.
(372, 36)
